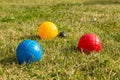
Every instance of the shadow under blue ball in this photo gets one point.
(28, 51)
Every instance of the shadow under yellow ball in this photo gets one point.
(47, 30)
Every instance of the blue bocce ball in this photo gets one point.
(28, 51)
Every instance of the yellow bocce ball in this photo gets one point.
(47, 30)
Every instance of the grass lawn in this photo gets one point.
(20, 19)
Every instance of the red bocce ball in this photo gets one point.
(89, 43)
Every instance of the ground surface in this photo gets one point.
(20, 19)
